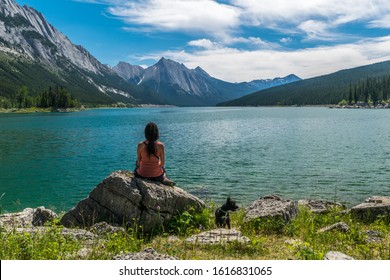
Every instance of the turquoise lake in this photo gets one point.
(55, 160)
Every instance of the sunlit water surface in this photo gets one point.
(55, 160)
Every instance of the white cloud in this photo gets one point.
(221, 20)
(383, 22)
(203, 43)
(254, 42)
(239, 65)
(286, 40)
(204, 16)
(271, 11)
(314, 28)
(317, 18)
(223, 25)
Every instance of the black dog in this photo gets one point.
(222, 218)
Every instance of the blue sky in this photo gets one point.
(234, 40)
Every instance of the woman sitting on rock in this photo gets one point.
(151, 157)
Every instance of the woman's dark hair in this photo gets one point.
(151, 134)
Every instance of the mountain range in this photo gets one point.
(176, 84)
(326, 89)
(35, 54)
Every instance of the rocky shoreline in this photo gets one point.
(362, 105)
(121, 201)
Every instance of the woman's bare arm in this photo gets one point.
(162, 154)
(138, 162)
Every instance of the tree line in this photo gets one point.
(372, 90)
(53, 97)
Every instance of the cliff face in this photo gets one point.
(25, 31)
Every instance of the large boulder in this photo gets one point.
(42, 215)
(272, 207)
(19, 219)
(371, 208)
(122, 199)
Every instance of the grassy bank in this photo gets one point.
(36, 110)
(299, 239)
(25, 110)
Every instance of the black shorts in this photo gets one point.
(154, 179)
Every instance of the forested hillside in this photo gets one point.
(18, 72)
(372, 90)
(328, 89)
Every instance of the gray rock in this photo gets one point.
(83, 253)
(27, 218)
(334, 255)
(337, 226)
(77, 234)
(147, 254)
(373, 236)
(218, 236)
(124, 200)
(371, 208)
(42, 215)
(103, 228)
(16, 220)
(272, 207)
(319, 206)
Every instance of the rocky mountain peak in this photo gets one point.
(292, 77)
(9, 8)
(26, 31)
(169, 64)
(202, 72)
(131, 73)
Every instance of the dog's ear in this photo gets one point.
(228, 199)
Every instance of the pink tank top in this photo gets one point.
(149, 165)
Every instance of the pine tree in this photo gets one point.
(22, 97)
(350, 97)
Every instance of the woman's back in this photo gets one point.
(150, 165)
(151, 157)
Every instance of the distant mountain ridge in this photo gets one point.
(322, 90)
(176, 84)
(269, 83)
(35, 54)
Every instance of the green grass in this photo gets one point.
(298, 239)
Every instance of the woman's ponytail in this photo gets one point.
(151, 134)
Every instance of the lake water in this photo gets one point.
(55, 160)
